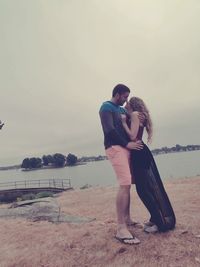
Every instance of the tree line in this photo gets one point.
(176, 148)
(56, 160)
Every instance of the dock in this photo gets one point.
(12, 190)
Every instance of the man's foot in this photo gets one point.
(131, 223)
(151, 229)
(128, 240)
(134, 223)
(123, 235)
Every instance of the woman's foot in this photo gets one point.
(148, 224)
(151, 229)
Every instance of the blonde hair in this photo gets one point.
(137, 104)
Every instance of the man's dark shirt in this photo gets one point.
(114, 133)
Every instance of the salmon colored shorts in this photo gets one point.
(120, 160)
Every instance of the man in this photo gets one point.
(118, 145)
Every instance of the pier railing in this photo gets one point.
(42, 183)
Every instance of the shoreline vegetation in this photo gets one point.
(48, 162)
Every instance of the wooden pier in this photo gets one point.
(12, 190)
(42, 183)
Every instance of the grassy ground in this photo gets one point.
(34, 244)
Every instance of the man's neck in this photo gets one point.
(114, 101)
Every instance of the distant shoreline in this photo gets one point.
(13, 167)
(155, 152)
(16, 167)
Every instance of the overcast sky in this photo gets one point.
(60, 59)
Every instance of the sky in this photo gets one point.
(59, 61)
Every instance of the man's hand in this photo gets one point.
(135, 145)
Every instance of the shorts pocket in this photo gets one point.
(111, 152)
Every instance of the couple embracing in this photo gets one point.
(133, 163)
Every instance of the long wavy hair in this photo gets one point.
(137, 104)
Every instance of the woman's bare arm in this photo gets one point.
(124, 123)
(135, 122)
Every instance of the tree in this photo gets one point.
(59, 160)
(26, 163)
(45, 160)
(35, 163)
(50, 159)
(178, 147)
(39, 163)
(1, 125)
(71, 159)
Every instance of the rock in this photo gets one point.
(41, 210)
(29, 202)
(184, 232)
(121, 250)
(197, 259)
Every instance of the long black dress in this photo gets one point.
(150, 188)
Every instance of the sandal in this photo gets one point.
(125, 240)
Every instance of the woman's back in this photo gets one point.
(140, 132)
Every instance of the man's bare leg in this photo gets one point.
(123, 206)
(122, 203)
(127, 212)
(128, 219)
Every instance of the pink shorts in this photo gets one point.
(120, 160)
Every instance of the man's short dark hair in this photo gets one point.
(120, 89)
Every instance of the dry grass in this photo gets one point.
(34, 244)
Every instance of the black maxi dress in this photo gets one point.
(150, 188)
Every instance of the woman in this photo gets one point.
(149, 185)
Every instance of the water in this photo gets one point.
(174, 165)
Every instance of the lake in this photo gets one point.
(172, 165)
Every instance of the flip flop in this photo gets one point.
(125, 240)
(135, 224)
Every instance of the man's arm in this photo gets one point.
(135, 145)
(109, 128)
(111, 132)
